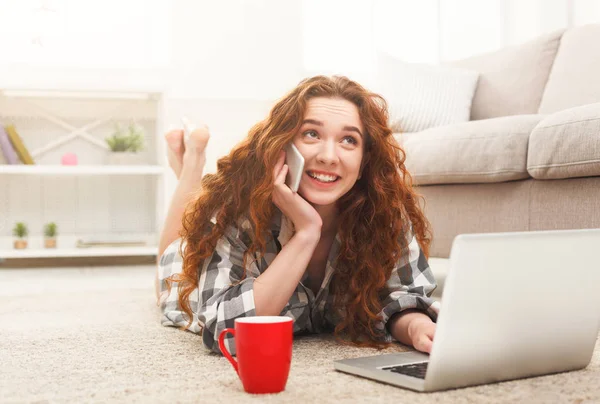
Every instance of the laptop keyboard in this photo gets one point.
(417, 370)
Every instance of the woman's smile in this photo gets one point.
(321, 180)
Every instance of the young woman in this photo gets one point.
(346, 253)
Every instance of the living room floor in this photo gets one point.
(92, 334)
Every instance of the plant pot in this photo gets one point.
(124, 158)
(49, 243)
(20, 244)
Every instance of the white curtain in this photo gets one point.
(337, 33)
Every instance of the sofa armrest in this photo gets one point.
(483, 151)
(566, 144)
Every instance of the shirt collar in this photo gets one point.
(286, 230)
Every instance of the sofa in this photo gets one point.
(529, 156)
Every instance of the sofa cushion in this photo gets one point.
(512, 79)
(490, 150)
(421, 96)
(575, 77)
(566, 144)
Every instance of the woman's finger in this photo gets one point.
(280, 179)
(425, 343)
(279, 164)
(431, 331)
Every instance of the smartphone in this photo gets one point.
(295, 163)
(188, 127)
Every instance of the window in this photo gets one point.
(85, 33)
(337, 37)
(586, 12)
(470, 27)
(407, 30)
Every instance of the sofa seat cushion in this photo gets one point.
(566, 144)
(489, 150)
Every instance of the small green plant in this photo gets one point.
(50, 230)
(20, 230)
(129, 139)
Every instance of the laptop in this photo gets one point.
(515, 305)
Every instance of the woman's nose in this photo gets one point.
(328, 153)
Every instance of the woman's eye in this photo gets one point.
(310, 133)
(350, 140)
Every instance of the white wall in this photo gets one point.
(235, 49)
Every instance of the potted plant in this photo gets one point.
(50, 235)
(125, 143)
(20, 231)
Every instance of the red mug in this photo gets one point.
(263, 346)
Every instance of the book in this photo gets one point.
(7, 149)
(18, 145)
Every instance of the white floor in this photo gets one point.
(33, 281)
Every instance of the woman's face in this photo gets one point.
(331, 140)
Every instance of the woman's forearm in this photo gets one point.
(274, 287)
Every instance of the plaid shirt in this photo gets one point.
(220, 297)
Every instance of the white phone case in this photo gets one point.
(295, 163)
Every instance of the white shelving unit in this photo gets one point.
(81, 170)
(79, 252)
(92, 198)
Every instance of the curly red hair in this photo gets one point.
(376, 213)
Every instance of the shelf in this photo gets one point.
(81, 169)
(121, 95)
(78, 252)
(23, 79)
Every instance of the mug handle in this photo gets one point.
(224, 350)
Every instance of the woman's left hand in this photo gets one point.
(421, 331)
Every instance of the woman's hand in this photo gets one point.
(293, 206)
(421, 331)
(413, 327)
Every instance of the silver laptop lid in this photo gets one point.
(541, 313)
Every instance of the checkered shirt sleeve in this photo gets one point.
(171, 263)
(410, 286)
(221, 296)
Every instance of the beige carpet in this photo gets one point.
(92, 335)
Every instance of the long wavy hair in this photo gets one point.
(374, 217)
